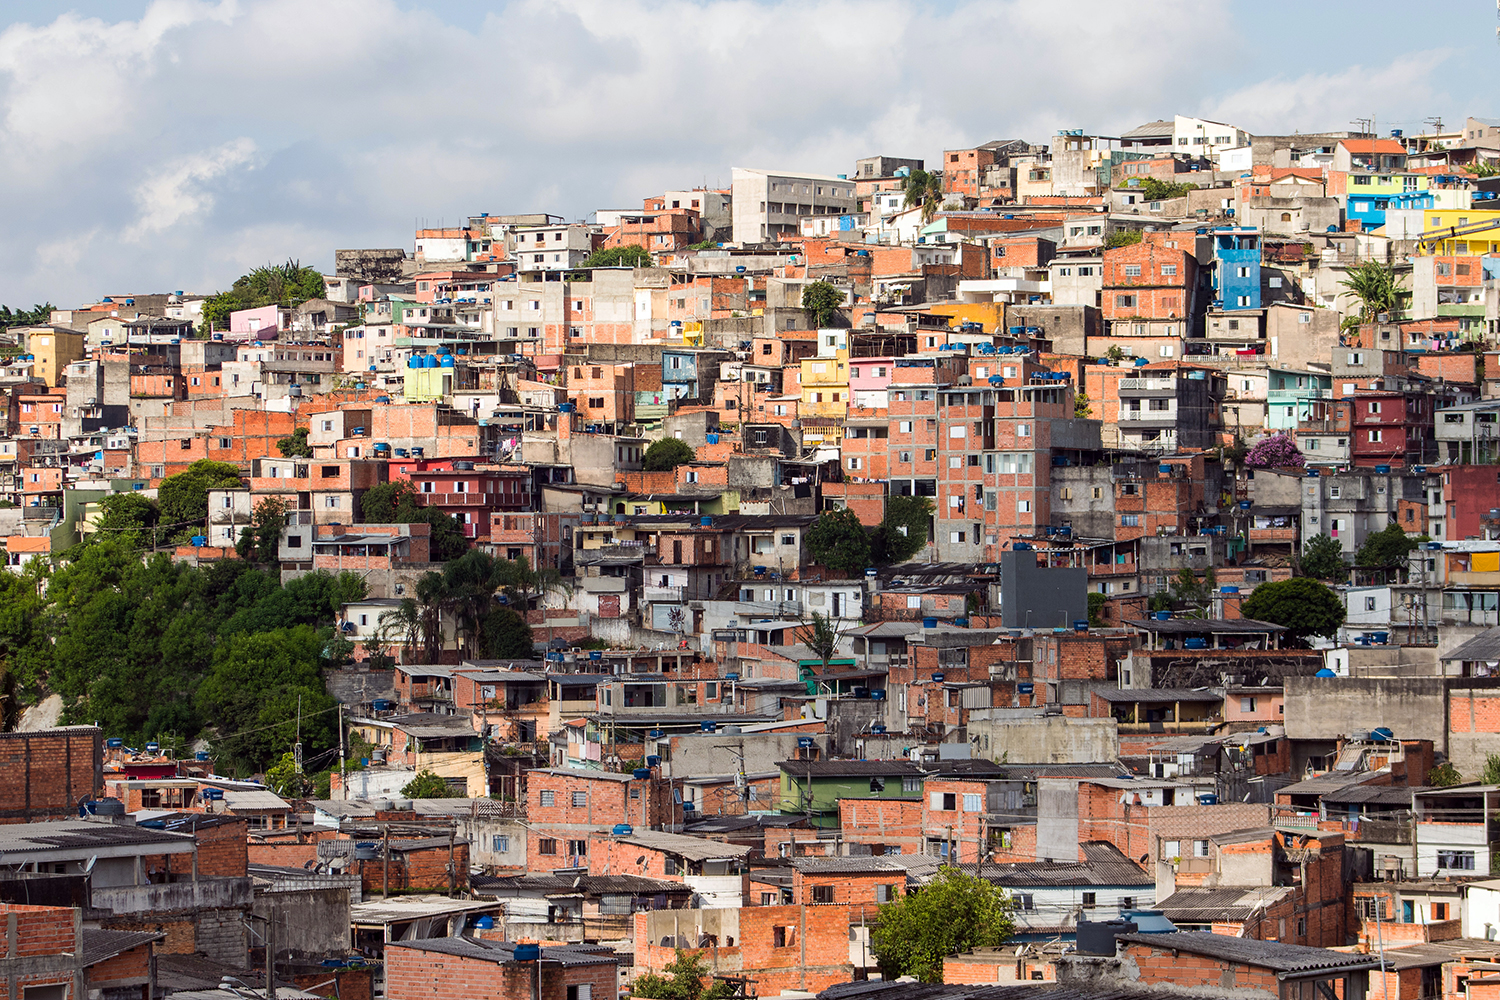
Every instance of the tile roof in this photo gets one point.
(846, 865)
(1158, 694)
(901, 990)
(99, 945)
(1484, 646)
(1105, 865)
(1284, 958)
(1197, 905)
(692, 848)
(1198, 626)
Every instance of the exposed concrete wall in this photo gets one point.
(1057, 818)
(1007, 734)
(310, 923)
(1324, 707)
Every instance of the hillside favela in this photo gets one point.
(1062, 567)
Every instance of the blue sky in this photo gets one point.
(175, 144)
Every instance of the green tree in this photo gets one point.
(1081, 408)
(838, 540)
(287, 285)
(951, 914)
(255, 689)
(1375, 285)
(704, 245)
(667, 454)
(631, 256)
(903, 530)
(260, 540)
(1303, 605)
(1385, 549)
(296, 445)
(818, 634)
(471, 582)
(521, 581)
(1122, 238)
(403, 624)
(398, 502)
(821, 301)
(436, 602)
(506, 636)
(1323, 559)
(427, 785)
(1491, 773)
(924, 189)
(37, 315)
(129, 516)
(1097, 601)
(1156, 189)
(183, 498)
(284, 779)
(687, 973)
(1445, 775)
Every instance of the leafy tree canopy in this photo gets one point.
(286, 285)
(1122, 238)
(631, 256)
(903, 530)
(1445, 775)
(1323, 559)
(838, 540)
(1376, 286)
(1156, 189)
(130, 516)
(1385, 548)
(1302, 604)
(398, 502)
(953, 913)
(427, 785)
(183, 498)
(667, 454)
(683, 982)
(37, 315)
(821, 302)
(295, 446)
(506, 636)
(1097, 601)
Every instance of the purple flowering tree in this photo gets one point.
(1275, 452)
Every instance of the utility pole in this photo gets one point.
(271, 957)
(343, 778)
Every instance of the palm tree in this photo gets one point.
(433, 596)
(404, 624)
(1374, 284)
(471, 581)
(520, 580)
(923, 189)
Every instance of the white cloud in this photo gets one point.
(337, 123)
(179, 191)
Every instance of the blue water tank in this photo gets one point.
(447, 361)
(528, 952)
(712, 437)
(484, 923)
(705, 521)
(929, 623)
(653, 760)
(114, 743)
(622, 830)
(706, 727)
(937, 678)
(1194, 643)
(1325, 672)
(642, 772)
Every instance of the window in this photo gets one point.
(580, 799)
(501, 844)
(1089, 899)
(1374, 437)
(912, 784)
(1130, 520)
(1125, 301)
(548, 797)
(1247, 704)
(1132, 270)
(973, 802)
(1369, 604)
(1200, 848)
(546, 846)
(581, 991)
(1167, 270)
(1458, 860)
(822, 894)
(1025, 901)
(1440, 910)
(784, 937)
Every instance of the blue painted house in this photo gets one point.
(1236, 275)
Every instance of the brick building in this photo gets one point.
(502, 970)
(44, 775)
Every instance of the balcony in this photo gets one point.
(1163, 385)
(663, 595)
(1273, 534)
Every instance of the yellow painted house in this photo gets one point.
(1476, 244)
(989, 315)
(825, 386)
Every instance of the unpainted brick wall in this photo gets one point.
(44, 775)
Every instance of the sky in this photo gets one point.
(175, 144)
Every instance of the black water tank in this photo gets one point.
(1097, 937)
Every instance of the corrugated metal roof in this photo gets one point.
(1286, 958)
(1484, 646)
(1128, 695)
(1200, 906)
(692, 848)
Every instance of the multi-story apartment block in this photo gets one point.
(767, 204)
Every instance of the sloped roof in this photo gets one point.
(505, 951)
(1286, 958)
(1198, 905)
(1484, 646)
